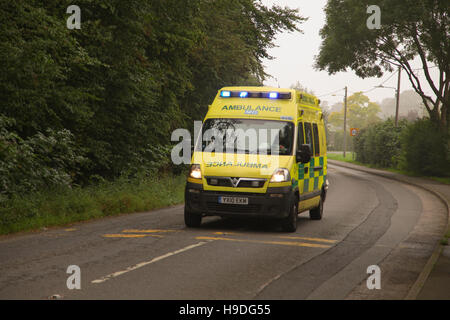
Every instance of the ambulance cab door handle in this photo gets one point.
(318, 168)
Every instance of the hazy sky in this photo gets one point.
(294, 59)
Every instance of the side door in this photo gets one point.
(323, 155)
(305, 169)
(300, 167)
(317, 162)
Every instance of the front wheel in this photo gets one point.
(192, 219)
(316, 213)
(289, 224)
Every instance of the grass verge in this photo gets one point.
(445, 240)
(349, 158)
(60, 207)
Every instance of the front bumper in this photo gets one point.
(272, 204)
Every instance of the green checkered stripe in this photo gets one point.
(313, 179)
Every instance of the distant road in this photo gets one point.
(368, 220)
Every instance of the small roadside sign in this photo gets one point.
(354, 131)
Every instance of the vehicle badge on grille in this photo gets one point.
(235, 182)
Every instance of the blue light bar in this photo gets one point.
(273, 95)
(255, 94)
(225, 94)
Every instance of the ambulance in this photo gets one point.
(261, 153)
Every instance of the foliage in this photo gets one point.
(47, 208)
(234, 40)
(336, 141)
(411, 106)
(409, 29)
(361, 112)
(379, 144)
(298, 86)
(419, 147)
(43, 161)
(114, 90)
(425, 150)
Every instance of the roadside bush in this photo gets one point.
(43, 161)
(379, 144)
(148, 161)
(425, 150)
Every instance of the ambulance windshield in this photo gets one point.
(251, 136)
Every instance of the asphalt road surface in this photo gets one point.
(368, 220)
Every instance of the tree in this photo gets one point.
(410, 103)
(298, 86)
(361, 112)
(234, 41)
(409, 29)
(41, 85)
(135, 71)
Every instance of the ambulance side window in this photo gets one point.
(323, 139)
(300, 138)
(316, 140)
(308, 136)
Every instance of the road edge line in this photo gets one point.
(425, 273)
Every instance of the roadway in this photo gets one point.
(368, 220)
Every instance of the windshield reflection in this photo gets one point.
(249, 136)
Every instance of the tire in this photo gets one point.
(191, 219)
(316, 213)
(289, 224)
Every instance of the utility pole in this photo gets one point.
(398, 95)
(345, 121)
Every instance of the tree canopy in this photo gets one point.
(409, 29)
(361, 112)
(116, 88)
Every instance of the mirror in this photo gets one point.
(303, 155)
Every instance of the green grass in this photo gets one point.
(445, 240)
(445, 180)
(340, 157)
(57, 208)
(349, 158)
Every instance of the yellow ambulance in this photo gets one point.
(261, 153)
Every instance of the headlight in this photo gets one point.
(195, 172)
(280, 175)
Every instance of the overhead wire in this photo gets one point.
(375, 87)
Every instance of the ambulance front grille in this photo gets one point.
(235, 182)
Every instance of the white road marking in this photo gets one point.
(142, 264)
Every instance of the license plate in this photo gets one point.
(233, 200)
